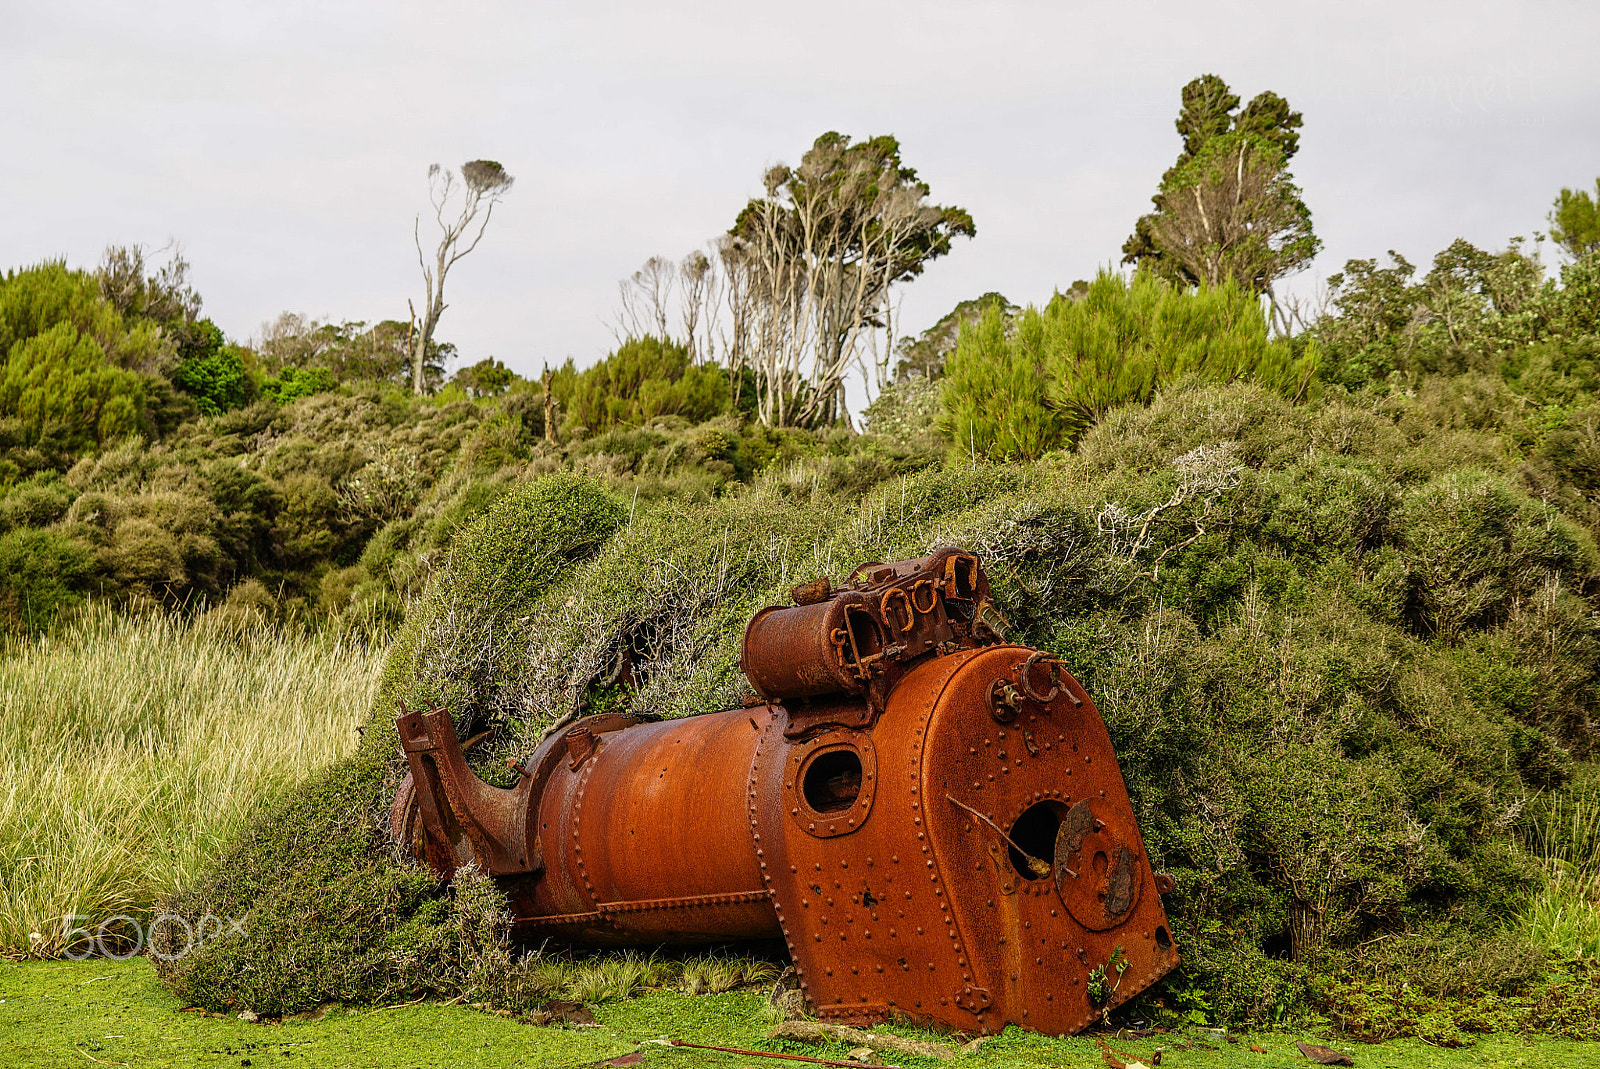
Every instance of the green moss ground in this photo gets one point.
(101, 1012)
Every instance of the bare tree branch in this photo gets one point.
(483, 182)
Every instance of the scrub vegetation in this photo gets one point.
(1331, 576)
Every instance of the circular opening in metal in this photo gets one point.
(1163, 940)
(1035, 833)
(832, 781)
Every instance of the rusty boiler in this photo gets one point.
(931, 818)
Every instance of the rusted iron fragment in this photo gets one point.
(1324, 1055)
(931, 819)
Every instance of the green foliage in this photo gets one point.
(1456, 1012)
(214, 372)
(644, 379)
(37, 299)
(163, 296)
(41, 573)
(487, 378)
(1022, 392)
(1473, 311)
(293, 383)
(924, 355)
(995, 382)
(1231, 212)
(330, 918)
(351, 350)
(60, 386)
(1575, 221)
(1565, 835)
(905, 411)
(464, 642)
(71, 375)
(858, 181)
(1227, 208)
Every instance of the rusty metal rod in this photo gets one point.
(769, 1054)
(1038, 865)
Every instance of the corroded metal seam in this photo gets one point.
(646, 905)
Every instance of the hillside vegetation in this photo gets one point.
(1336, 592)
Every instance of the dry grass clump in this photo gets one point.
(132, 748)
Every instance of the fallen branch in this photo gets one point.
(815, 1032)
(770, 1054)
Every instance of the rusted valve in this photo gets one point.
(931, 818)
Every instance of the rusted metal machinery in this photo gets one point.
(931, 818)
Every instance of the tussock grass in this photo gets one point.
(132, 747)
(1565, 916)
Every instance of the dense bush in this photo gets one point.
(213, 372)
(644, 379)
(1472, 311)
(1018, 389)
(75, 375)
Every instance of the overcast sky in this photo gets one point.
(285, 145)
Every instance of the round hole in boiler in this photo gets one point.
(1035, 832)
(832, 781)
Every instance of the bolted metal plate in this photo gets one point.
(1097, 869)
(830, 781)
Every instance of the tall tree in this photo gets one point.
(1228, 207)
(814, 261)
(482, 184)
(1575, 221)
(1233, 212)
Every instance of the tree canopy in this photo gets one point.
(1575, 221)
(812, 264)
(1228, 207)
(925, 354)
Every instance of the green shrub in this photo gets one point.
(72, 373)
(37, 503)
(905, 411)
(41, 574)
(293, 383)
(645, 378)
(1018, 390)
(213, 372)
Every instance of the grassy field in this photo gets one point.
(132, 746)
(116, 1013)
